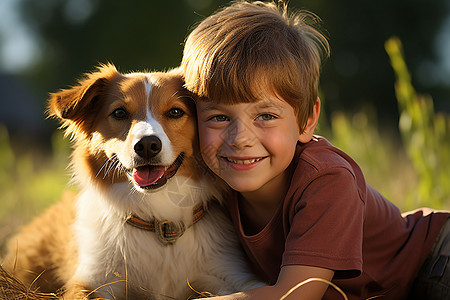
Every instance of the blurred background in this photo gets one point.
(385, 90)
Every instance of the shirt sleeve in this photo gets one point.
(326, 227)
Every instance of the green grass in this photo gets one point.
(426, 135)
(30, 182)
(414, 171)
(411, 172)
(381, 157)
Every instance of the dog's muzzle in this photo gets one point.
(148, 147)
(149, 176)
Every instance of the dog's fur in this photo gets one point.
(84, 245)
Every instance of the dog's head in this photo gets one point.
(138, 127)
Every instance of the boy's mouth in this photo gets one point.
(243, 161)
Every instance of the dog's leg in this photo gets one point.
(227, 262)
(76, 291)
(42, 255)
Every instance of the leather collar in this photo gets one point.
(168, 232)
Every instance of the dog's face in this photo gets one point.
(130, 127)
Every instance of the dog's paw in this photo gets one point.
(77, 291)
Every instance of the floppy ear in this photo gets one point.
(72, 105)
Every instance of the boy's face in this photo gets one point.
(248, 145)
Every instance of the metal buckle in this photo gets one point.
(168, 232)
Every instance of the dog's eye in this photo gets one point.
(175, 113)
(119, 114)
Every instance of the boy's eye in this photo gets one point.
(266, 117)
(120, 114)
(219, 118)
(175, 113)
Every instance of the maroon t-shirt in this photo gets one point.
(331, 218)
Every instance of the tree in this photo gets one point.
(139, 34)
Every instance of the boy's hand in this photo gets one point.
(289, 277)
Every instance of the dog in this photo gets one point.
(147, 222)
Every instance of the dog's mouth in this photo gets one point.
(151, 177)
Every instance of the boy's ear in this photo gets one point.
(308, 132)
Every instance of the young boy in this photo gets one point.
(301, 207)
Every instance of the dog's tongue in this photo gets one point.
(146, 176)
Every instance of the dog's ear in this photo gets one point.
(72, 105)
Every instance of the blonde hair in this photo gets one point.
(252, 47)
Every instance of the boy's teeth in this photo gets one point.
(244, 162)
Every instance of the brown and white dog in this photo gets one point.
(146, 221)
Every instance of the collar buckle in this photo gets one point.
(169, 232)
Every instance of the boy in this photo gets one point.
(301, 207)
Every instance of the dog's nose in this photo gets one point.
(148, 147)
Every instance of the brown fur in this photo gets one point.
(43, 255)
(40, 245)
(84, 246)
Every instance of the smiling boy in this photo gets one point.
(301, 207)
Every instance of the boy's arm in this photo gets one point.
(289, 277)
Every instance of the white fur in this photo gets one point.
(133, 263)
(207, 255)
(152, 127)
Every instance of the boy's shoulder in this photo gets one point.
(320, 159)
(320, 155)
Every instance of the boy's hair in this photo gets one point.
(251, 48)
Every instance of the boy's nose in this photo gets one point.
(240, 135)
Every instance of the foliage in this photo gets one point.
(411, 174)
(375, 152)
(73, 36)
(426, 135)
(29, 182)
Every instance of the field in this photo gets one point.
(411, 171)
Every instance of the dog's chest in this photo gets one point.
(136, 261)
(164, 270)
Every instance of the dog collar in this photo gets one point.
(167, 231)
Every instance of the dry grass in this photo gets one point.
(312, 280)
(13, 289)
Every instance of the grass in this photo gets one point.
(29, 181)
(426, 135)
(414, 171)
(11, 288)
(381, 157)
(411, 172)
